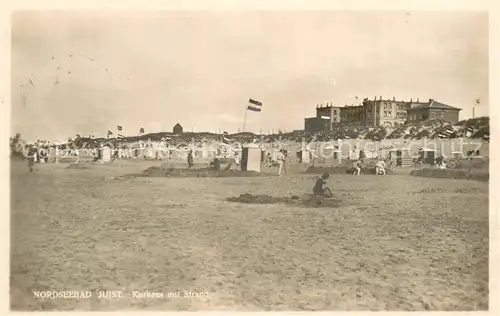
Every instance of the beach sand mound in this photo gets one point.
(344, 170)
(310, 201)
(470, 174)
(78, 166)
(155, 171)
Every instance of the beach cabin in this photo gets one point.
(251, 158)
(105, 153)
(427, 156)
(401, 157)
(354, 154)
(304, 156)
(456, 155)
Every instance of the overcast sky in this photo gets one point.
(155, 69)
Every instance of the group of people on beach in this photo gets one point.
(280, 162)
(320, 188)
(380, 167)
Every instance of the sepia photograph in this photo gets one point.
(249, 160)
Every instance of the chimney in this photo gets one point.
(375, 98)
(417, 99)
(393, 98)
(411, 99)
(430, 100)
(380, 97)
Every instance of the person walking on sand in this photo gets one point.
(280, 157)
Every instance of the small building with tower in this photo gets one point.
(178, 129)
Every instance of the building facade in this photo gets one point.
(380, 112)
(433, 110)
(317, 125)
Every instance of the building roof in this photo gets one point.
(177, 125)
(432, 104)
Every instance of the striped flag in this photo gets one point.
(119, 127)
(478, 101)
(449, 131)
(255, 106)
(110, 133)
(226, 140)
(121, 136)
(469, 131)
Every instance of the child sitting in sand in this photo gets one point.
(380, 167)
(356, 166)
(320, 186)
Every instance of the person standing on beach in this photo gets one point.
(280, 158)
(31, 156)
(190, 159)
(285, 157)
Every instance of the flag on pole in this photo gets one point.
(110, 133)
(449, 131)
(255, 106)
(119, 127)
(469, 131)
(478, 101)
(226, 140)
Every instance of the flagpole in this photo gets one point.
(474, 107)
(245, 120)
